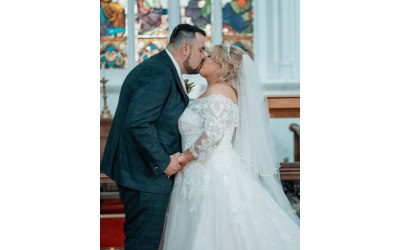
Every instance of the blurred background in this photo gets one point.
(131, 31)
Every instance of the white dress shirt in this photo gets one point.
(178, 69)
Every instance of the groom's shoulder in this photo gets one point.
(154, 63)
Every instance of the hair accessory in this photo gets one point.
(228, 51)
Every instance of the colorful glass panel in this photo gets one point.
(113, 33)
(152, 17)
(151, 28)
(237, 17)
(238, 24)
(197, 12)
(149, 46)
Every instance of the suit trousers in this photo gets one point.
(144, 218)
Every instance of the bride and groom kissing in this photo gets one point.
(198, 174)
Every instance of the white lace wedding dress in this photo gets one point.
(216, 202)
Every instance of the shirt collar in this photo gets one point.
(178, 69)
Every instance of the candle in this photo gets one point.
(102, 72)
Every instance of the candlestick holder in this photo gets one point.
(105, 113)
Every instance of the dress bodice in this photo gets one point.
(208, 123)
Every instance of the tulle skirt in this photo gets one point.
(220, 205)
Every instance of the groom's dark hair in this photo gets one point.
(184, 32)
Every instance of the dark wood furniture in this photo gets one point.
(287, 106)
(105, 125)
(295, 128)
(290, 171)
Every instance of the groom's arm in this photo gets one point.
(144, 109)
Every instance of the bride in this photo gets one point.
(228, 195)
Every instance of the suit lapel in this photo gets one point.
(165, 56)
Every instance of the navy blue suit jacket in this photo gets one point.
(144, 131)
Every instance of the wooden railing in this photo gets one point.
(290, 171)
(284, 106)
(295, 128)
(288, 107)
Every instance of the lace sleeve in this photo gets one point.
(216, 114)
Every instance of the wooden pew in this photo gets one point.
(295, 128)
(108, 188)
(290, 171)
(281, 106)
(288, 106)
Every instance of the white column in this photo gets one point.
(276, 48)
(131, 35)
(286, 39)
(260, 37)
(174, 14)
(216, 22)
(296, 25)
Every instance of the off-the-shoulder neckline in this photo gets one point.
(205, 98)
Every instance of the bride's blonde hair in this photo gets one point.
(230, 57)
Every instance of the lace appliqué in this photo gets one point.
(218, 114)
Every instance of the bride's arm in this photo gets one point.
(215, 117)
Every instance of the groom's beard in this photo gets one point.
(188, 68)
(199, 67)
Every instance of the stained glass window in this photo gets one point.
(151, 27)
(238, 24)
(149, 47)
(197, 12)
(113, 33)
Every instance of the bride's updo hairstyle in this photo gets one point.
(230, 58)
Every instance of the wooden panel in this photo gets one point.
(105, 125)
(284, 106)
(104, 179)
(290, 171)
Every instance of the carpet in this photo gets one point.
(111, 206)
(112, 232)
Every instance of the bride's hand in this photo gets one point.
(174, 166)
(182, 160)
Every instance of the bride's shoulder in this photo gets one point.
(221, 89)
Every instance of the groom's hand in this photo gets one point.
(173, 166)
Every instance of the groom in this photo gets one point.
(143, 145)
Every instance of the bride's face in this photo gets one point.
(210, 65)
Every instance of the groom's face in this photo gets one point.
(196, 55)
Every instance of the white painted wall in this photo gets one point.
(277, 57)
